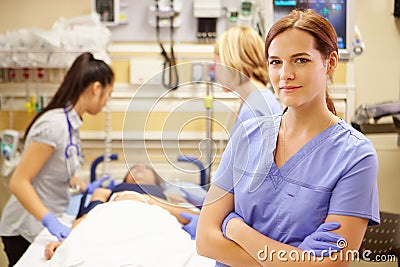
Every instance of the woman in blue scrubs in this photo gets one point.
(40, 184)
(283, 177)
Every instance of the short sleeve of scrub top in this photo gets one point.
(249, 152)
(356, 194)
(46, 132)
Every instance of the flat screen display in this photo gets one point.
(335, 11)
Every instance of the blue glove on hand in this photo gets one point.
(111, 184)
(54, 226)
(96, 184)
(230, 216)
(195, 195)
(192, 225)
(322, 242)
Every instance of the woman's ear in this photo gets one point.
(97, 88)
(332, 63)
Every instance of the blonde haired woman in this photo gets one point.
(241, 49)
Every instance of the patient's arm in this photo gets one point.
(101, 194)
(51, 249)
(172, 208)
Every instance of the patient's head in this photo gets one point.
(142, 174)
(128, 195)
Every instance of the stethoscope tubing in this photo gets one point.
(70, 144)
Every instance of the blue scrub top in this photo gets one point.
(334, 173)
(258, 103)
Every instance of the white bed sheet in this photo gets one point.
(34, 256)
(121, 233)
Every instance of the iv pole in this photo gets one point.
(107, 140)
(208, 103)
(208, 71)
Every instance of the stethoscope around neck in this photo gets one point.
(70, 144)
(71, 148)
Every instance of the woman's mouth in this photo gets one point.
(289, 88)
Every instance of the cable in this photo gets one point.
(169, 62)
(173, 70)
(261, 18)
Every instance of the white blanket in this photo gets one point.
(127, 233)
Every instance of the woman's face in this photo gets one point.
(141, 174)
(224, 75)
(296, 69)
(101, 96)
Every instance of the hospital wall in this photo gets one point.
(376, 76)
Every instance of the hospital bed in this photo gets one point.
(162, 235)
(111, 235)
(173, 240)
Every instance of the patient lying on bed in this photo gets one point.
(132, 224)
(140, 178)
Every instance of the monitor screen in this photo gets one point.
(338, 12)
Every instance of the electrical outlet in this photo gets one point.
(197, 72)
(146, 70)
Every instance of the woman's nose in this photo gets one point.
(286, 72)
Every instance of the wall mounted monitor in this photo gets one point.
(340, 13)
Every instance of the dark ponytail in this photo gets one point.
(84, 71)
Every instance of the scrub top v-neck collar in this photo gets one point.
(305, 150)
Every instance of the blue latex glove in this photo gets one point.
(192, 225)
(96, 184)
(322, 242)
(195, 195)
(54, 226)
(111, 184)
(230, 216)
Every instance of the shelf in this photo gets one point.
(52, 58)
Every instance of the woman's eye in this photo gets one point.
(274, 62)
(301, 60)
